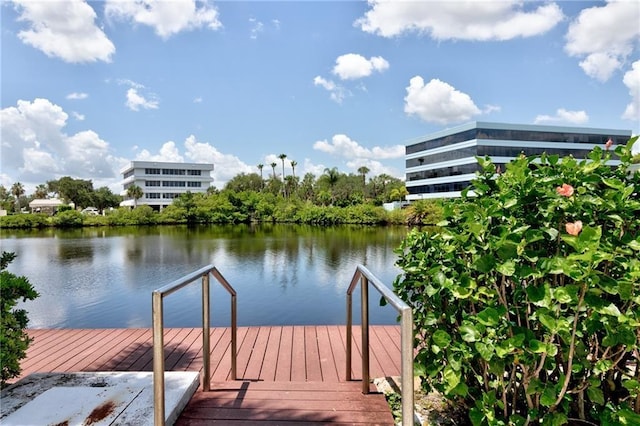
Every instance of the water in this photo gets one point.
(283, 274)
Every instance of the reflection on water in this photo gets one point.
(284, 274)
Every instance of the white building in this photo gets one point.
(442, 164)
(161, 182)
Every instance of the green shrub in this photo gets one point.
(68, 219)
(24, 220)
(527, 300)
(14, 341)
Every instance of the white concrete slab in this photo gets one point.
(102, 398)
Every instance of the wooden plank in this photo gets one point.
(298, 367)
(244, 350)
(256, 358)
(125, 348)
(270, 361)
(327, 360)
(283, 371)
(312, 355)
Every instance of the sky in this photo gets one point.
(88, 87)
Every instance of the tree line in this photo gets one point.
(331, 198)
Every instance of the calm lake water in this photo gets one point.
(283, 274)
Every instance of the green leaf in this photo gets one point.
(548, 397)
(536, 293)
(485, 263)
(441, 338)
(489, 317)
(596, 395)
(537, 346)
(485, 351)
(507, 268)
(451, 377)
(549, 322)
(469, 333)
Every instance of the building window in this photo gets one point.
(194, 172)
(152, 171)
(128, 174)
(194, 184)
(172, 183)
(152, 195)
(152, 183)
(179, 172)
(170, 195)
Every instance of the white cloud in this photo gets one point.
(463, 20)
(632, 81)
(337, 93)
(197, 100)
(36, 149)
(166, 17)
(135, 101)
(344, 146)
(352, 66)
(64, 29)
(605, 36)
(226, 166)
(256, 28)
(376, 168)
(77, 116)
(168, 152)
(438, 102)
(564, 116)
(77, 96)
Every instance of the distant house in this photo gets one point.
(161, 182)
(45, 205)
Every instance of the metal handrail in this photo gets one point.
(158, 333)
(365, 277)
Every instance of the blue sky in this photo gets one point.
(88, 87)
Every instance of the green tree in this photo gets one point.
(273, 167)
(5, 198)
(135, 192)
(244, 182)
(103, 198)
(14, 341)
(284, 187)
(363, 172)
(17, 190)
(77, 191)
(41, 191)
(260, 167)
(526, 300)
(293, 167)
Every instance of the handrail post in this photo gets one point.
(234, 338)
(206, 329)
(349, 335)
(364, 308)
(158, 360)
(406, 342)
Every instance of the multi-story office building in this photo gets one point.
(442, 164)
(161, 182)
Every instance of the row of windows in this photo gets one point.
(441, 187)
(128, 174)
(514, 135)
(495, 151)
(170, 183)
(447, 171)
(156, 196)
(179, 172)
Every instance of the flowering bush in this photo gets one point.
(527, 299)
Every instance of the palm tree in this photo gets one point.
(273, 166)
(260, 167)
(41, 191)
(282, 157)
(135, 192)
(332, 178)
(293, 167)
(363, 171)
(17, 190)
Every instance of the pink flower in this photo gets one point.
(608, 144)
(574, 228)
(565, 190)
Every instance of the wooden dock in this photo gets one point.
(287, 375)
